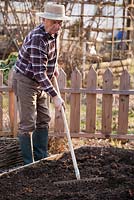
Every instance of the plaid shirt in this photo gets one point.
(37, 58)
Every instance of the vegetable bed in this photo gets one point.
(36, 181)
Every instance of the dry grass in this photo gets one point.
(60, 145)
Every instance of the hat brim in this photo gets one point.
(54, 17)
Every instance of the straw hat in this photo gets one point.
(54, 12)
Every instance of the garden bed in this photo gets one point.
(37, 180)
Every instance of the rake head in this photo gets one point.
(74, 182)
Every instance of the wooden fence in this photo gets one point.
(74, 96)
(10, 107)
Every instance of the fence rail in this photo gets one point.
(73, 97)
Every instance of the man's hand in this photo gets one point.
(56, 72)
(58, 102)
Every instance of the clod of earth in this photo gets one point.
(37, 181)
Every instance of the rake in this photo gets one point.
(75, 165)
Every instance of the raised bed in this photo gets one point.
(37, 180)
(10, 154)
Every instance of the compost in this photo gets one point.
(37, 181)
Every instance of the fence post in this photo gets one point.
(123, 103)
(107, 100)
(12, 106)
(59, 124)
(1, 102)
(75, 102)
(91, 102)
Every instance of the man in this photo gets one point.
(34, 69)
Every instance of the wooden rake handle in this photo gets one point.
(77, 173)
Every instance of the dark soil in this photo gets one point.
(36, 182)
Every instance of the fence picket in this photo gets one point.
(59, 125)
(107, 100)
(1, 102)
(123, 103)
(12, 107)
(91, 102)
(75, 102)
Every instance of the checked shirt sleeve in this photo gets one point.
(39, 60)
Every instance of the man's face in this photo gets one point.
(52, 26)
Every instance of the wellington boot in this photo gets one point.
(25, 145)
(40, 143)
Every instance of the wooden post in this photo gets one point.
(107, 100)
(12, 107)
(59, 125)
(123, 104)
(81, 24)
(1, 102)
(129, 23)
(113, 25)
(91, 102)
(75, 102)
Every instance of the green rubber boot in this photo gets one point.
(40, 143)
(25, 145)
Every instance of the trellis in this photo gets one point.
(78, 41)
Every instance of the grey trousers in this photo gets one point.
(32, 104)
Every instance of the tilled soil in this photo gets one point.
(36, 182)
